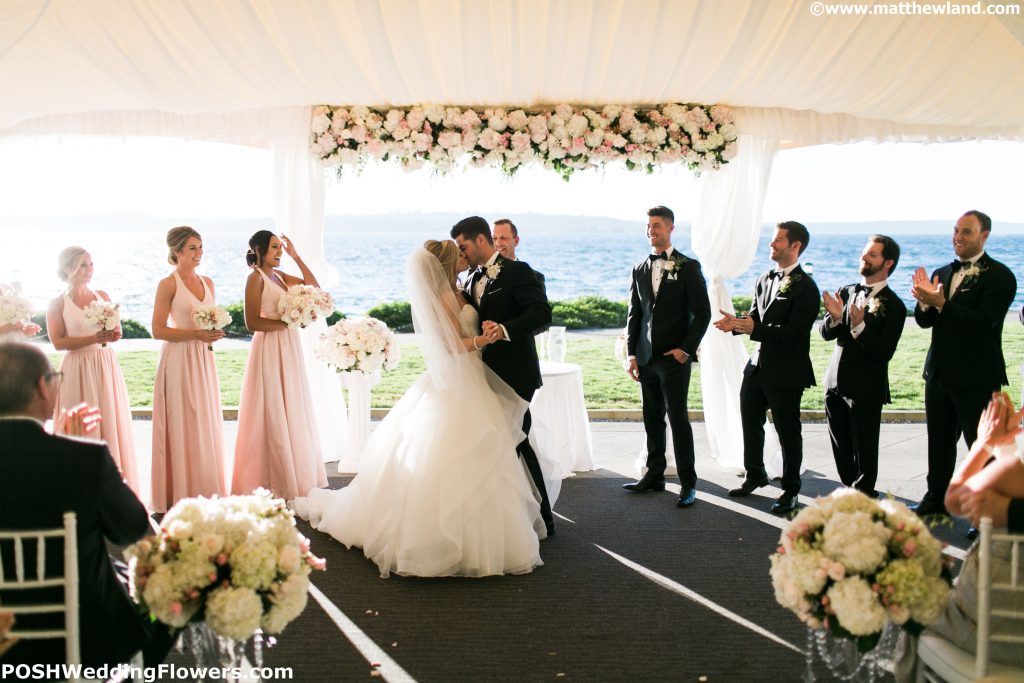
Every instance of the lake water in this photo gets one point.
(369, 264)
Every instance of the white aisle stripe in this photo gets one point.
(389, 668)
(680, 589)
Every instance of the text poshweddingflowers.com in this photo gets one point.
(150, 674)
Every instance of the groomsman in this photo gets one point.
(669, 312)
(782, 313)
(964, 303)
(866, 320)
(506, 239)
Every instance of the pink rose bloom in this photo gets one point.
(729, 152)
(722, 114)
(415, 118)
(452, 116)
(320, 110)
(449, 139)
(489, 139)
(564, 111)
(392, 120)
(517, 119)
(469, 139)
(359, 134)
(376, 148)
(402, 132)
(538, 129)
(469, 120)
(421, 141)
(579, 145)
(520, 141)
(627, 120)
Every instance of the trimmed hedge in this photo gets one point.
(396, 314)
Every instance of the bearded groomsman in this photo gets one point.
(782, 313)
(669, 312)
(866, 320)
(964, 303)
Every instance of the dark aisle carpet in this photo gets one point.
(582, 616)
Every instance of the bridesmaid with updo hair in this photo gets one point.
(188, 438)
(278, 443)
(89, 370)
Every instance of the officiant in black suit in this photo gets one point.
(782, 313)
(964, 303)
(866, 321)
(669, 313)
(512, 307)
(45, 476)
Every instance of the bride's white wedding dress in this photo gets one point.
(440, 489)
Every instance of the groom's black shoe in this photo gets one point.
(687, 497)
(785, 503)
(747, 487)
(645, 484)
(550, 528)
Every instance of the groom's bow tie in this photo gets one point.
(655, 257)
(957, 265)
(857, 289)
(775, 274)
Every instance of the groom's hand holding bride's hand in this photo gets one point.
(492, 331)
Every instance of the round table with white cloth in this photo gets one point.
(560, 424)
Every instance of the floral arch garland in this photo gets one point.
(563, 138)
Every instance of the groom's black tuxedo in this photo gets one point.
(857, 382)
(45, 476)
(964, 363)
(515, 298)
(676, 318)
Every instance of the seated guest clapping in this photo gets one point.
(45, 476)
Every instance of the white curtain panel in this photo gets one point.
(299, 214)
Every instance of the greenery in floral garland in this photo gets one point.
(563, 138)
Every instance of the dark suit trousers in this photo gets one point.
(755, 400)
(949, 413)
(664, 385)
(533, 465)
(853, 427)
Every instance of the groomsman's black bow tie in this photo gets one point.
(775, 274)
(957, 265)
(857, 289)
(655, 257)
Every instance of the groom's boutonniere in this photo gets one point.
(971, 273)
(787, 283)
(672, 266)
(876, 307)
(494, 270)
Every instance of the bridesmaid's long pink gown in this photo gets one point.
(188, 430)
(93, 375)
(277, 446)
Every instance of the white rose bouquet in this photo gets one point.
(359, 345)
(622, 348)
(849, 563)
(303, 305)
(14, 308)
(211, 317)
(103, 315)
(236, 562)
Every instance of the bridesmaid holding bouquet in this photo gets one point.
(277, 444)
(91, 373)
(188, 436)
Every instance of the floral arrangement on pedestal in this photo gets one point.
(236, 563)
(359, 344)
(850, 563)
(563, 138)
(303, 305)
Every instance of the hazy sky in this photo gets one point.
(171, 179)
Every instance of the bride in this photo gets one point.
(441, 491)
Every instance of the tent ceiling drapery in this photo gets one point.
(956, 75)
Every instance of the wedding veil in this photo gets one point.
(435, 317)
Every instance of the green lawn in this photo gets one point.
(604, 383)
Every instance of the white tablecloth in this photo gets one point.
(560, 422)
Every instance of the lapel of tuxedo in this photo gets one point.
(981, 263)
(946, 278)
(500, 262)
(645, 282)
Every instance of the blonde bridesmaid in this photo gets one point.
(91, 373)
(277, 444)
(188, 436)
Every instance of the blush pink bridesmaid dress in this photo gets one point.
(93, 375)
(188, 435)
(278, 442)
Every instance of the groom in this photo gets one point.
(512, 305)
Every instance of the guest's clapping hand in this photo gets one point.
(79, 420)
(731, 323)
(927, 292)
(833, 304)
(6, 624)
(985, 503)
(856, 315)
(1000, 423)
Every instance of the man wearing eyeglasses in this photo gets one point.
(45, 476)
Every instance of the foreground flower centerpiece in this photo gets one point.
(363, 345)
(303, 305)
(238, 563)
(850, 563)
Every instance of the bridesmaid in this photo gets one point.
(188, 438)
(91, 373)
(277, 444)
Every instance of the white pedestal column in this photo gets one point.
(358, 385)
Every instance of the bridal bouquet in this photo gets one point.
(849, 563)
(303, 305)
(237, 563)
(103, 315)
(359, 345)
(211, 317)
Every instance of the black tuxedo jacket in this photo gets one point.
(783, 327)
(967, 336)
(515, 299)
(676, 319)
(859, 368)
(44, 476)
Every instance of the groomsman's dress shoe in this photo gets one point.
(747, 488)
(785, 503)
(687, 497)
(929, 506)
(645, 485)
